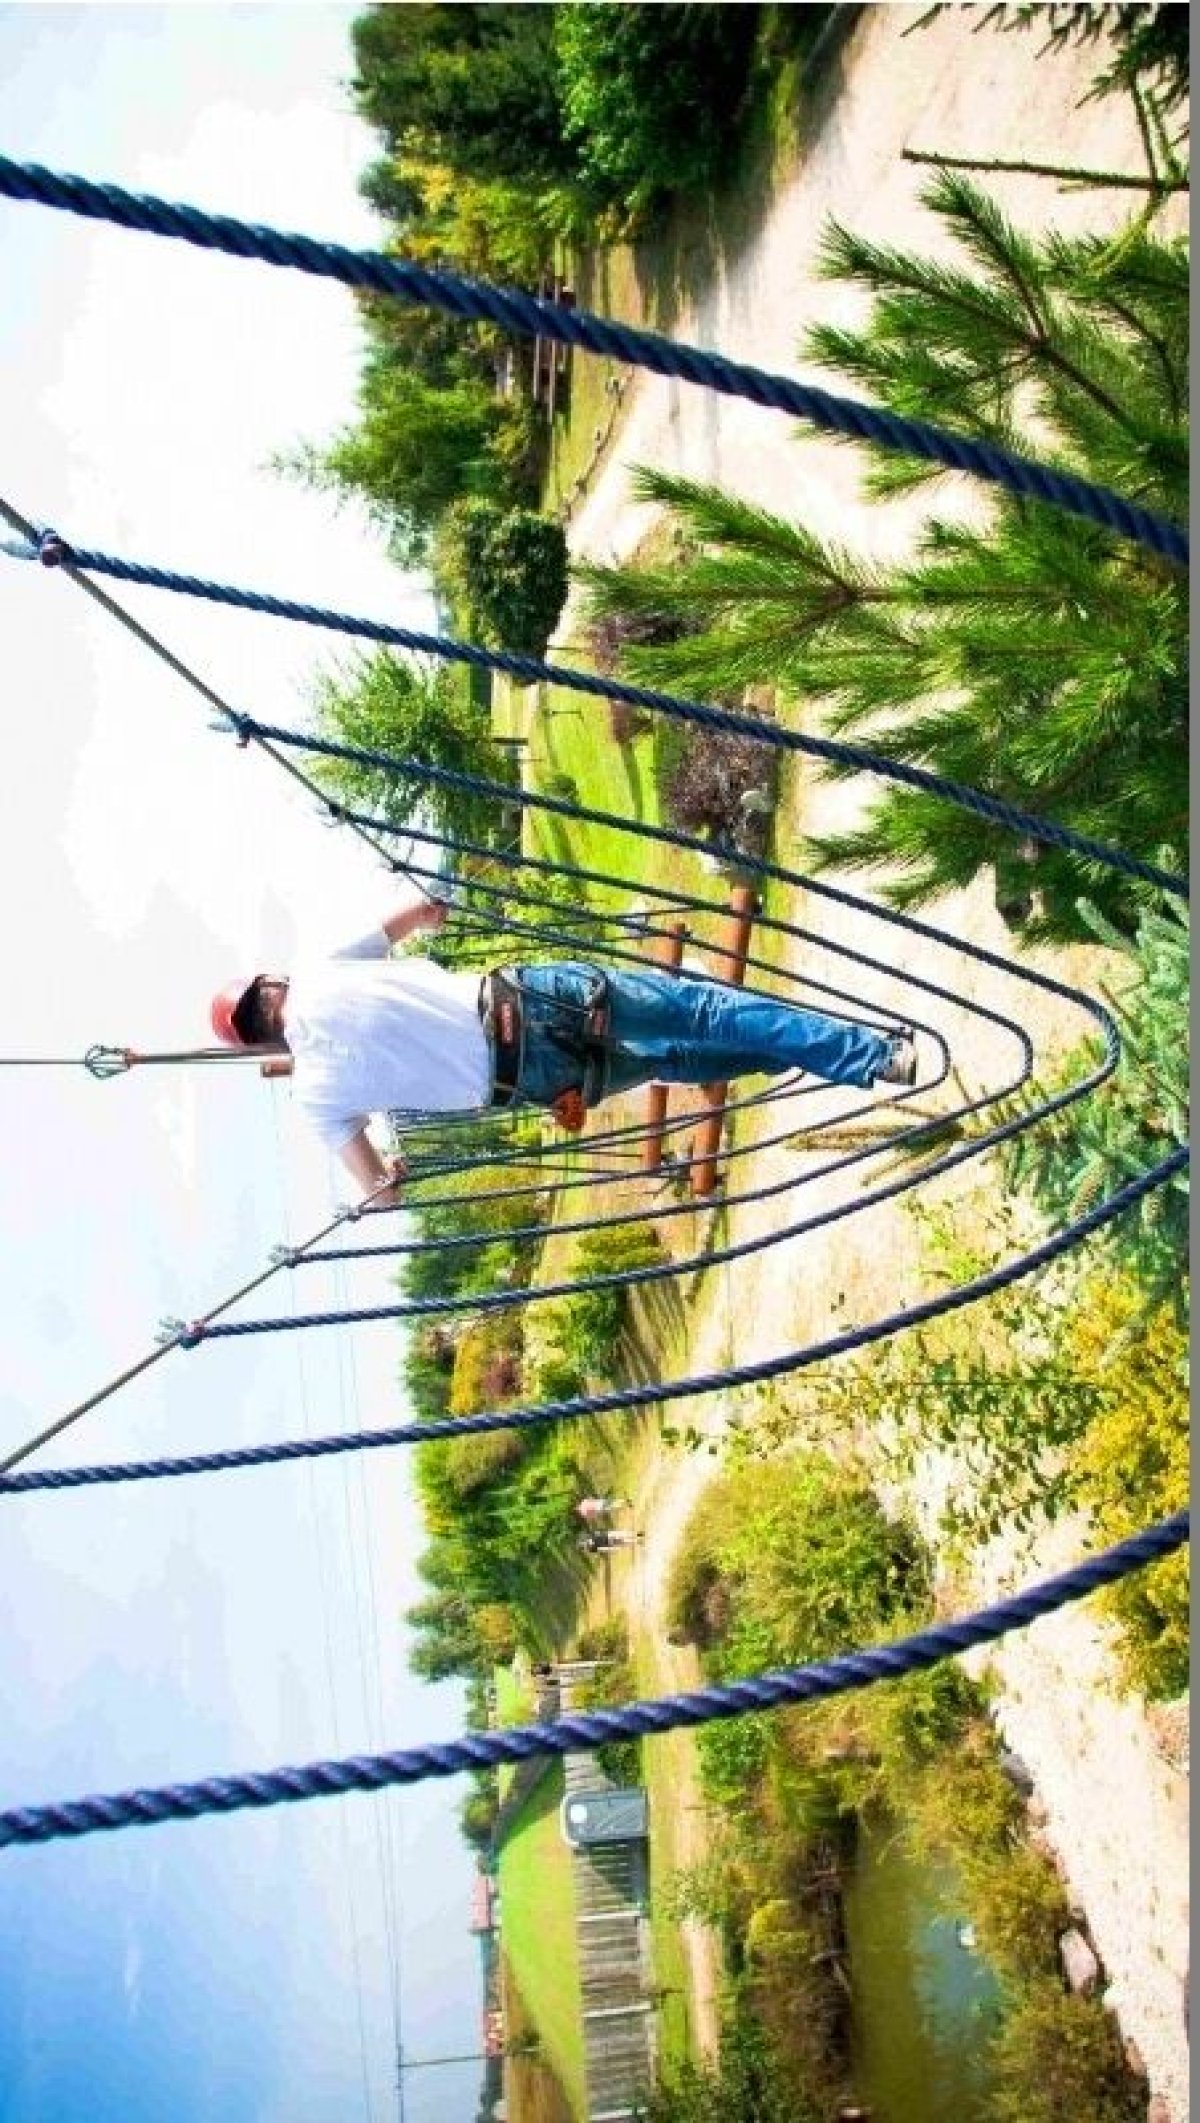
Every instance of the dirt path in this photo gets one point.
(984, 95)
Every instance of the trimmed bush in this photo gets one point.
(509, 566)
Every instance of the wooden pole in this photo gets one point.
(666, 950)
(728, 963)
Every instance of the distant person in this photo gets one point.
(371, 1034)
(594, 1510)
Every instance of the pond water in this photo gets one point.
(924, 2001)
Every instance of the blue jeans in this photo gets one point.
(683, 1029)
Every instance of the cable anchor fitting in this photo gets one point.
(227, 724)
(51, 549)
(177, 1333)
(103, 1062)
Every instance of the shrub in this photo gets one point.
(1057, 2059)
(560, 1377)
(807, 1561)
(477, 1816)
(584, 1329)
(732, 1756)
(608, 1639)
(487, 1365)
(509, 566)
(1133, 1470)
(704, 790)
(564, 786)
(1020, 1909)
(612, 1685)
(1134, 1118)
(478, 1460)
(611, 632)
(496, 1625)
(746, 2085)
(625, 722)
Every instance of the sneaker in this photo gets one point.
(901, 1064)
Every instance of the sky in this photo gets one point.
(263, 1967)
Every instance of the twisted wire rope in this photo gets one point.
(652, 1394)
(532, 315)
(529, 670)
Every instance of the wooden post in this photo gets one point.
(729, 963)
(666, 950)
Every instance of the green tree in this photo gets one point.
(447, 1641)
(416, 447)
(652, 96)
(1040, 659)
(476, 86)
(384, 704)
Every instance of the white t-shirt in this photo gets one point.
(369, 1032)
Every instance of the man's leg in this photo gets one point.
(694, 1031)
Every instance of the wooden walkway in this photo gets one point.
(613, 1938)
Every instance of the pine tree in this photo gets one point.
(1040, 658)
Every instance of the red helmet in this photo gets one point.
(224, 1006)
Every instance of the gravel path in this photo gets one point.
(1115, 1810)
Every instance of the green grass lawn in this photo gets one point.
(537, 1902)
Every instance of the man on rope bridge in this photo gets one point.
(368, 1033)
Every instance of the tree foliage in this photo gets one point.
(383, 703)
(651, 96)
(473, 86)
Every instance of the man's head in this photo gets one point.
(250, 1013)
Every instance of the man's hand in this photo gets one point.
(434, 913)
(380, 1178)
(408, 921)
(395, 1171)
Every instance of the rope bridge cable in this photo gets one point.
(174, 1337)
(531, 316)
(530, 670)
(584, 1405)
(230, 717)
(590, 1729)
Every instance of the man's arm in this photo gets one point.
(409, 921)
(364, 1164)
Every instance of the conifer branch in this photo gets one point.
(1119, 180)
